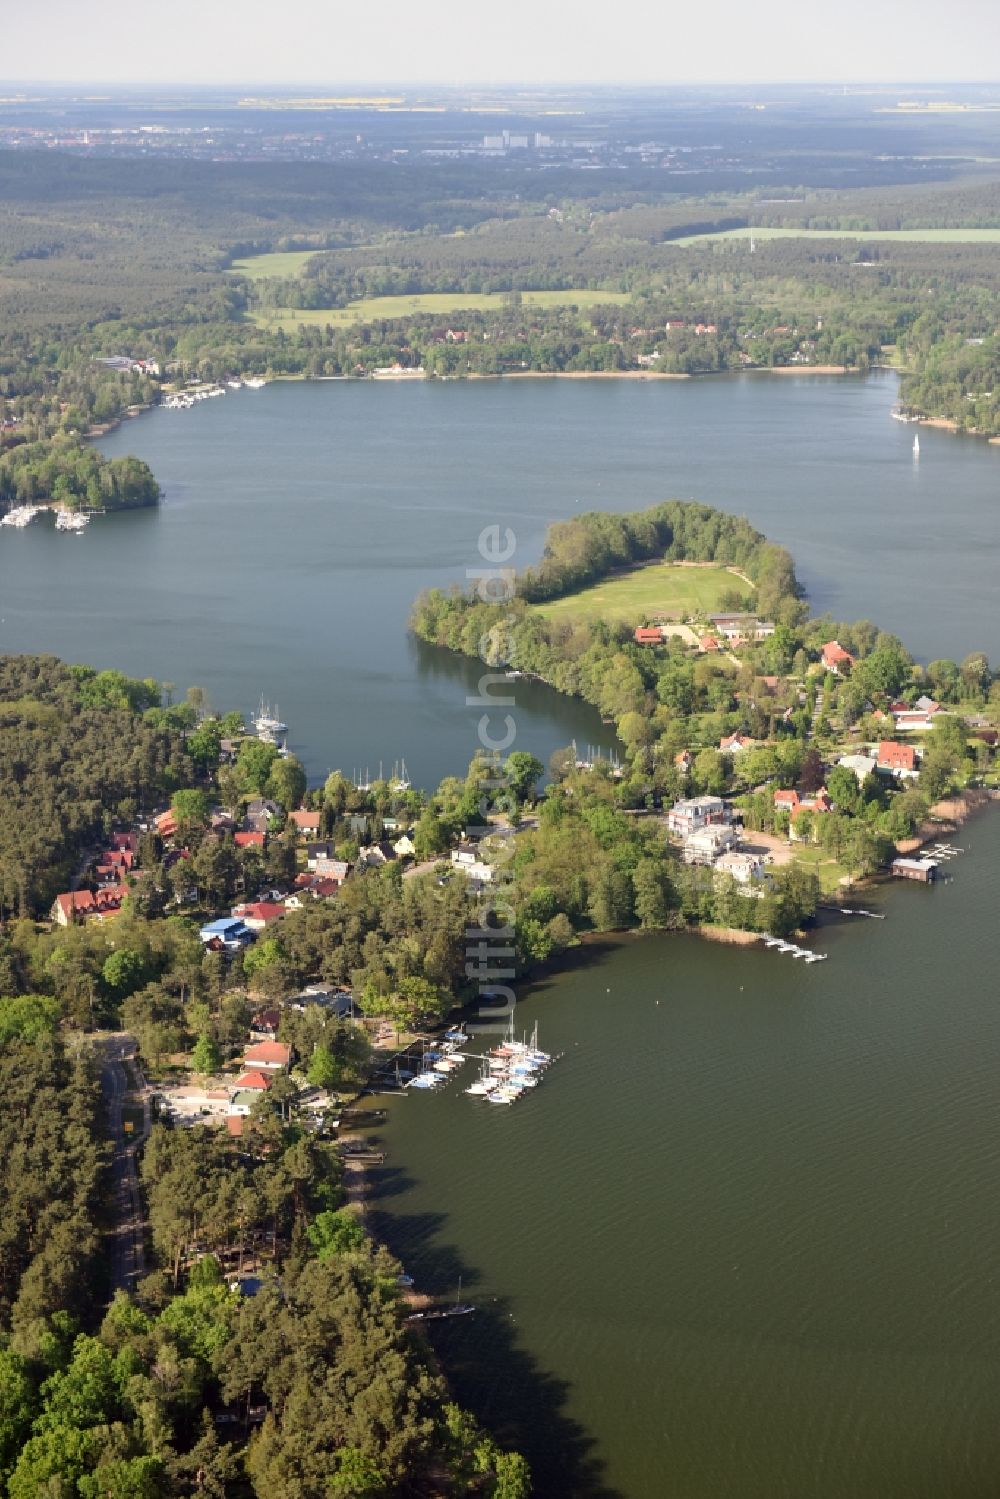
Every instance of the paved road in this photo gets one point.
(128, 1257)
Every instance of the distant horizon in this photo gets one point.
(275, 85)
(532, 43)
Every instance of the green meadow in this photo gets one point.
(281, 263)
(289, 263)
(661, 589)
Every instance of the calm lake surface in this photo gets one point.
(745, 1238)
(301, 521)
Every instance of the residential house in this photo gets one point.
(166, 824)
(862, 765)
(404, 847)
(267, 1057)
(114, 864)
(735, 627)
(84, 905)
(927, 705)
(735, 744)
(264, 1025)
(338, 1002)
(246, 1091)
(229, 932)
(259, 914)
(836, 659)
(684, 761)
(649, 635)
(246, 839)
(900, 760)
(913, 721)
(315, 851)
(375, 855)
(793, 802)
(706, 844)
(126, 842)
(466, 857)
(688, 815)
(745, 868)
(709, 643)
(306, 822)
(330, 869)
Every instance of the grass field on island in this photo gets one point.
(928, 236)
(434, 304)
(663, 588)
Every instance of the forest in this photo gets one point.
(101, 257)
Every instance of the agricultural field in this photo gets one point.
(433, 304)
(279, 263)
(661, 590)
(925, 236)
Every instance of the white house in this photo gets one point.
(687, 816)
(745, 868)
(466, 857)
(862, 765)
(705, 845)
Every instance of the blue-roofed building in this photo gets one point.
(229, 931)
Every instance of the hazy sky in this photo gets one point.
(470, 41)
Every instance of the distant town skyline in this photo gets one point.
(524, 41)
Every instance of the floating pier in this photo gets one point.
(780, 945)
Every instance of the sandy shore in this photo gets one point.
(807, 369)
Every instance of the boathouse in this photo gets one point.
(923, 870)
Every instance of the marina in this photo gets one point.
(75, 521)
(778, 944)
(22, 515)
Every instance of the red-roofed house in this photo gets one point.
(248, 840)
(81, 905)
(260, 913)
(75, 903)
(836, 659)
(899, 759)
(306, 822)
(684, 761)
(234, 1125)
(126, 841)
(735, 744)
(267, 1056)
(254, 1079)
(649, 635)
(786, 801)
(710, 643)
(166, 824)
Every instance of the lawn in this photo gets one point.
(830, 872)
(663, 589)
(928, 236)
(437, 304)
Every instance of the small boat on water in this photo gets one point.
(916, 445)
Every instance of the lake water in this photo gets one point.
(301, 520)
(743, 1241)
